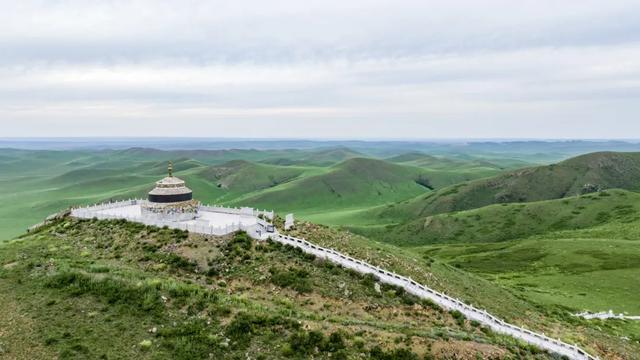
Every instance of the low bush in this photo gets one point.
(377, 353)
(241, 329)
(308, 343)
(296, 279)
(458, 316)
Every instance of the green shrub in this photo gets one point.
(428, 303)
(296, 279)
(335, 342)
(145, 345)
(397, 354)
(174, 260)
(242, 240)
(307, 343)
(458, 316)
(244, 326)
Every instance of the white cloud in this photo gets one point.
(321, 68)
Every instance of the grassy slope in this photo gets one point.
(321, 157)
(424, 264)
(110, 289)
(593, 269)
(580, 253)
(512, 221)
(605, 169)
(241, 177)
(443, 163)
(355, 183)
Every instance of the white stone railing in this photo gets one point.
(238, 211)
(605, 315)
(447, 302)
(94, 211)
(215, 208)
(107, 206)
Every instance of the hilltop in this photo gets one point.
(110, 289)
(579, 175)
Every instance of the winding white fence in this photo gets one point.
(447, 302)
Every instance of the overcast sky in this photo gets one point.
(321, 69)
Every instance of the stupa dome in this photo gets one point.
(170, 190)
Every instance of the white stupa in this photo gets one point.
(171, 200)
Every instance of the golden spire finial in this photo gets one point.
(170, 169)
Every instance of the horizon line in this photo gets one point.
(131, 138)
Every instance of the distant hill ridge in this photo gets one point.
(502, 222)
(582, 174)
(353, 181)
(244, 176)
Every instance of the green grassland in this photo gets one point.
(111, 289)
(533, 246)
(571, 177)
(445, 163)
(579, 253)
(355, 183)
(34, 184)
(502, 222)
(581, 274)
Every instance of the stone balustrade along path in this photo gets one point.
(447, 302)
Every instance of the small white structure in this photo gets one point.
(606, 315)
(288, 222)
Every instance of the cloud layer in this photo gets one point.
(330, 69)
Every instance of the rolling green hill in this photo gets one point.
(331, 156)
(111, 289)
(592, 269)
(313, 157)
(240, 177)
(445, 163)
(581, 174)
(489, 165)
(320, 157)
(503, 222)
(357, 182)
